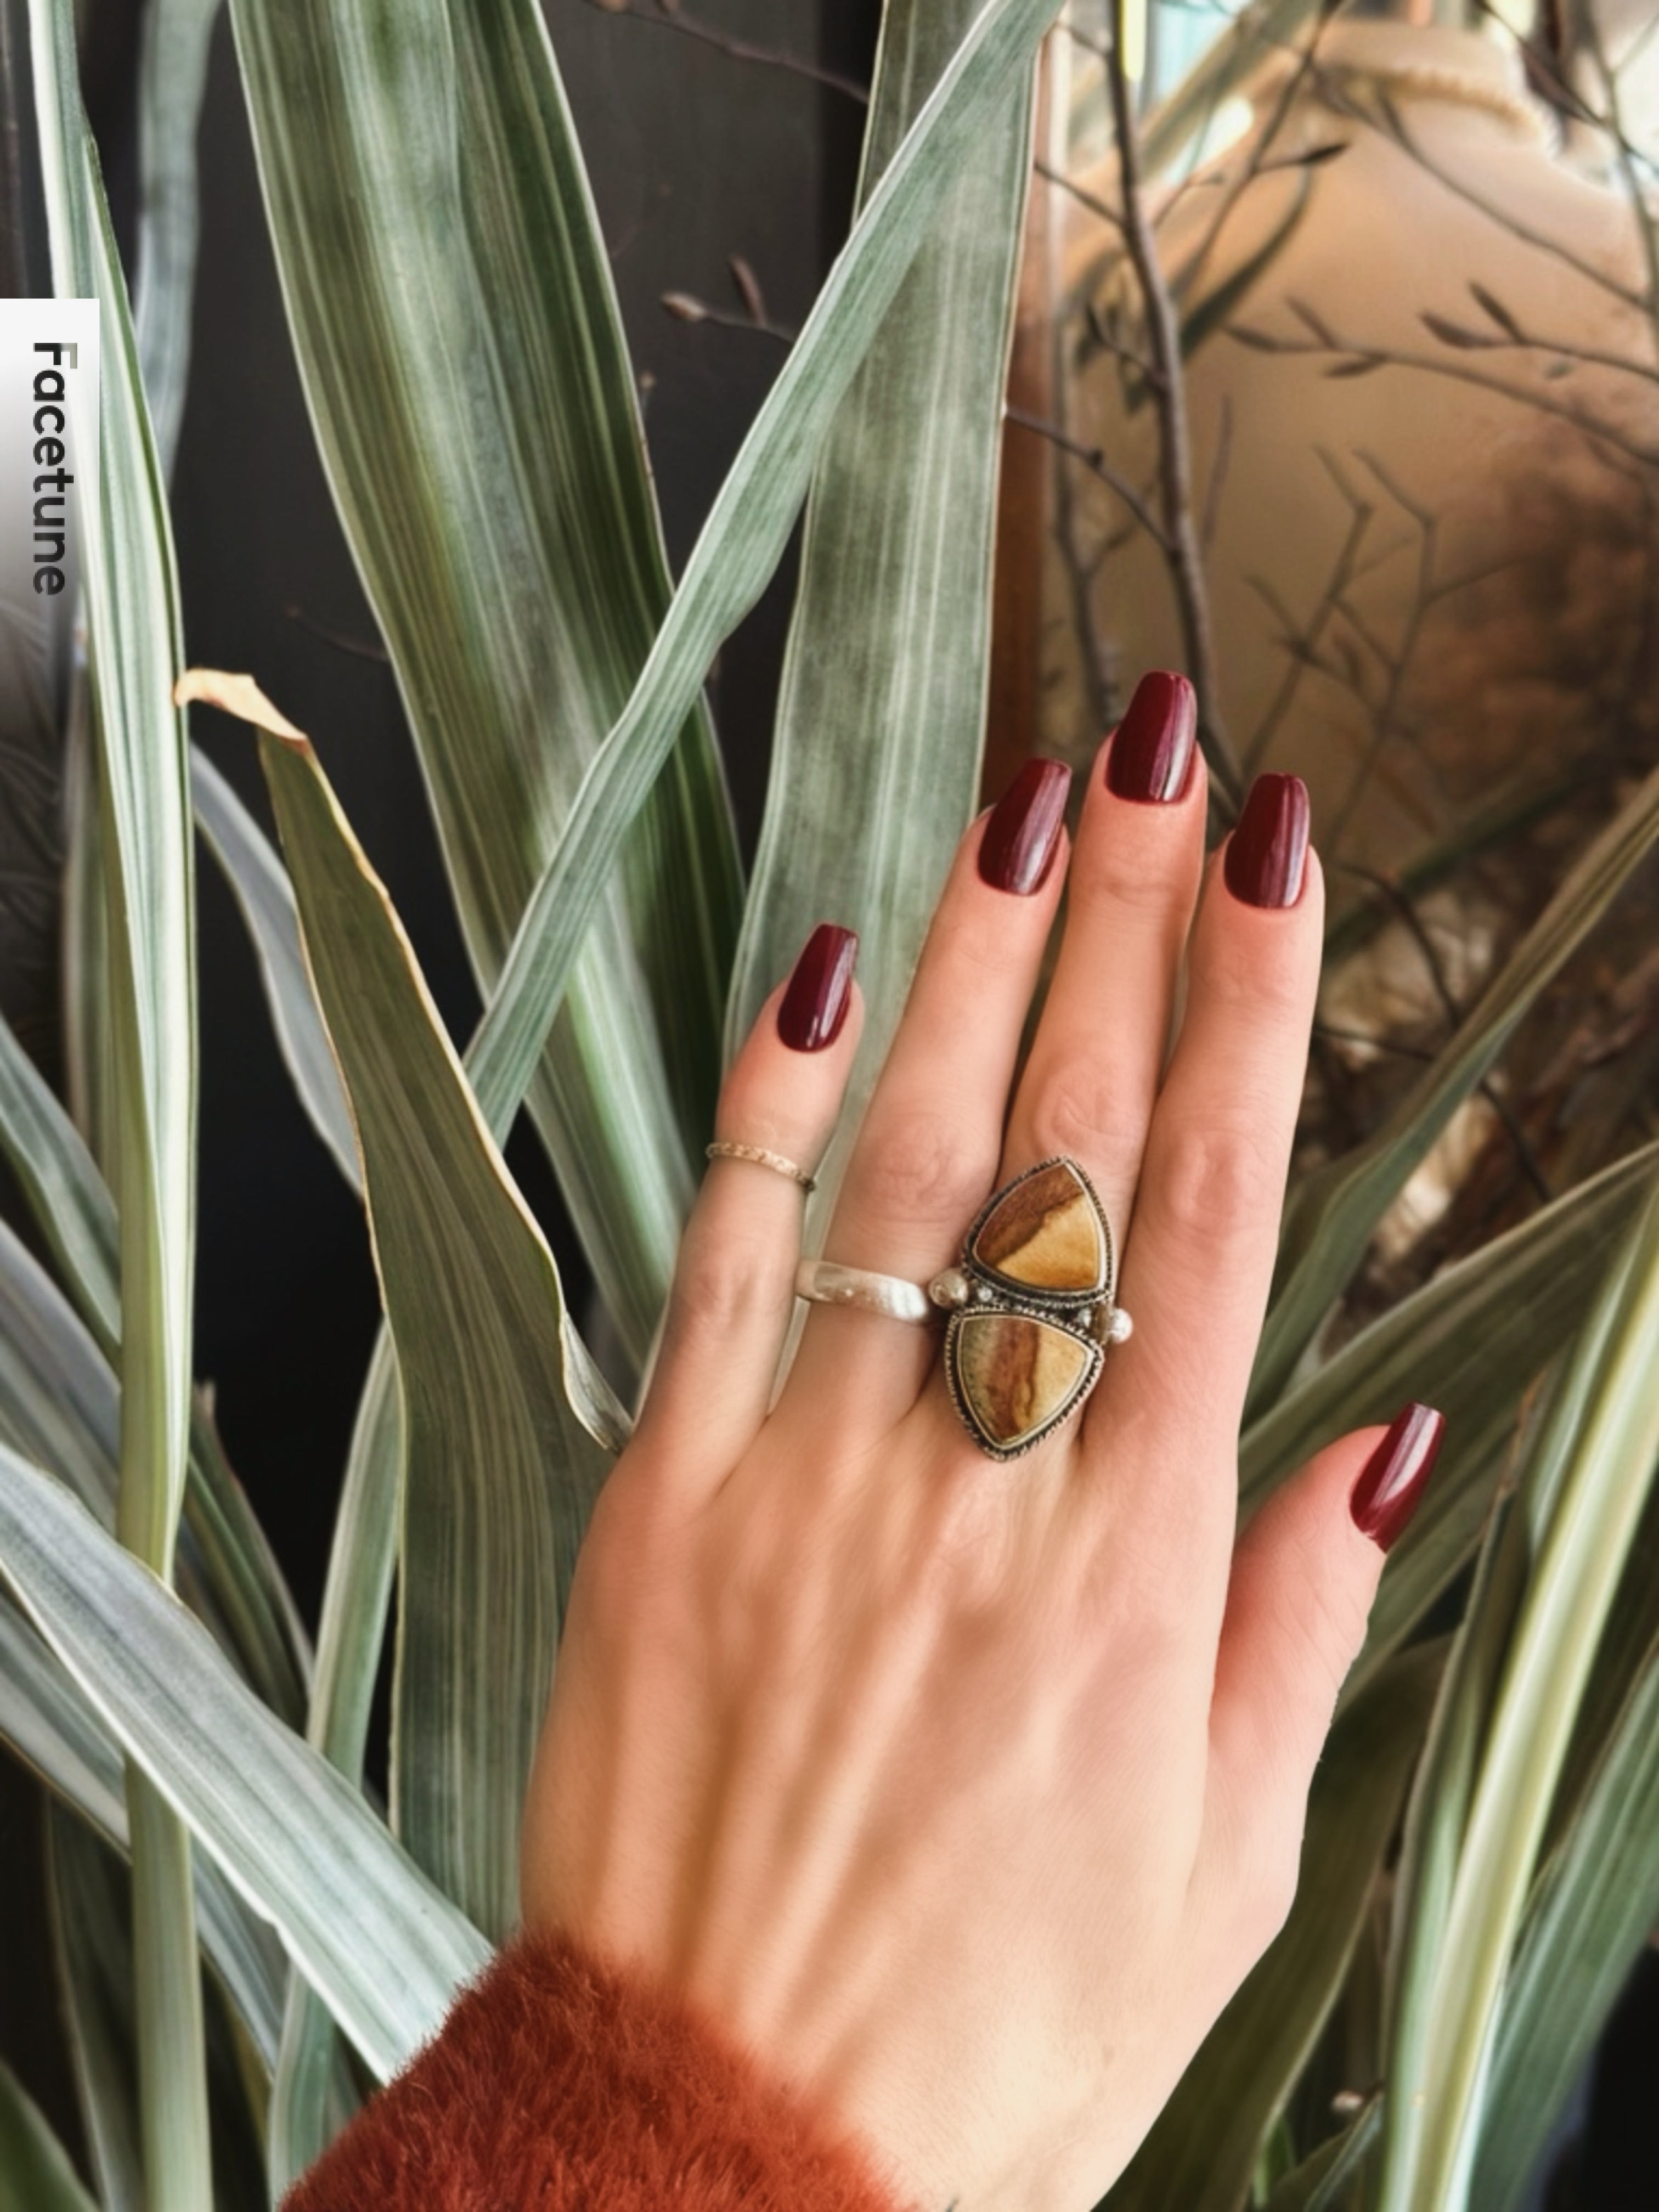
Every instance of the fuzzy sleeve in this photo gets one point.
(558, 2086)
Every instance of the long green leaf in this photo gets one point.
(1589, 1476)
(1336, 1211)
(356, 1597)
(1321, 2183)
(50, 1724)
(91, 1941)
(453, 314)
(62, 1187)
(876, 754)
(133, 621)
(746, 533)
(172, 79)
(261, 887)
(499, 1473)
(1203, 2147)
(385, 1948)
(1472, 1342)
(35, 2173)
(1593, 1908)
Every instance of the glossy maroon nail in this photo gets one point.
(1392, 1481)
(1152, 754)
(1022, 834)
(1268, 849)
(820, 990)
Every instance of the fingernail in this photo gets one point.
(1152, 755)
(1022, 834)
(1268, 849)
(820, 990)
(1387, 1493)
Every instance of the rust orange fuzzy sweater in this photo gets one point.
(558, 2086)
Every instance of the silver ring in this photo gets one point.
(722, 1149)
(827, 1284)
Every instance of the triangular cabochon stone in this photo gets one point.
(1017, 1375)
(1046, 1235)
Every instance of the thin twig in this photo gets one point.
(1218, 467)
(687, 308)
(1097, 464)
(1080, 194)
(737, 50)
(1416, 930)
(364, 648)
(1179, 533)
(1623, 152)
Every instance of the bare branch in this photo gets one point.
(1096, 462)
(1179, 533)
(738, 50)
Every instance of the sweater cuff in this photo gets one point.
(560, 2084)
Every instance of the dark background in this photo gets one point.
(694, 156)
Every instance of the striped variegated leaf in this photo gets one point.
(147, 863)
(876, 756)
(382, 1944)
(453, 318)
(499, 1472)
(1331, 1218)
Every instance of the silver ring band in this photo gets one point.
(825, 1283)
(723, 1150)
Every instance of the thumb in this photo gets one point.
(1304, 1574)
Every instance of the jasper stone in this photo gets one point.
(1016, 1376)
(1044, 1234)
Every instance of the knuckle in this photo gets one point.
(1149, 877)
(722, 1284)
(1086, 1115)
(924, 1168)
(1217, 1177)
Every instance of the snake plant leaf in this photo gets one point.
(1472, 1342)
(1583, 1493)
(876, 753)
(1330, 1222)
(62, 1187)
(259, 884)
(499, 1473)
(306, 2110)
(133, 628)
(746, 530)
(383, 1945)
(1203, 2147)
(451, 304)
(50, 1724)
(174, 45)
(35, 2173)
(1589, 1915)
(1322, 2182)
(60, 1404)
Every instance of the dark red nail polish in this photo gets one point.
(1268, 849)
(1022, 834)
(1152, 755)
(820, 990)
(1387, 1493)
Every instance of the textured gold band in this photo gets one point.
(760, 1157)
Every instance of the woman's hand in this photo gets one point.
(966, 1793)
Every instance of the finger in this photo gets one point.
(733, 1295)
(1088, 1087)
(1201, 1250)
(1305, 1575)
(926, 1153)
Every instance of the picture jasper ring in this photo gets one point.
(1030, 1307)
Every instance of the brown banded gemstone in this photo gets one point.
(1016, 1376)
(1044, 1234)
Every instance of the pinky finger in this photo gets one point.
(1305, 1575)
(733, 1295)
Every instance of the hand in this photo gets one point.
(966, 1793)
